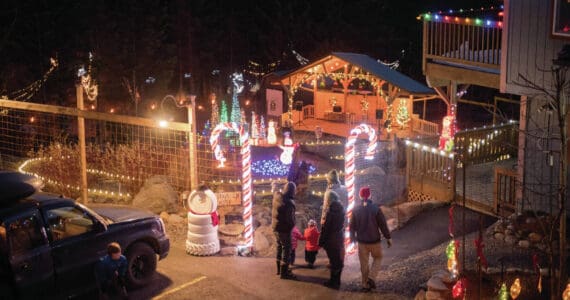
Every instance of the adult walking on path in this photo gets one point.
(333, 185)
(282, 223)
(332, 239)
(367, 225)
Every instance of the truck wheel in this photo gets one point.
(141, 264)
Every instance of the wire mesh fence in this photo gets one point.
(122, 152)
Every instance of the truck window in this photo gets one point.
(68, 221)
(24, 234)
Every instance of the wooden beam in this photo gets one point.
(91, 115)
(472, 102)
(462, 75)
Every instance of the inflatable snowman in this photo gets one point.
(202, 238)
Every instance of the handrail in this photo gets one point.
(424, 127)
(467, 44)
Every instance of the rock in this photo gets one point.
(231, 229)
(164, 216)
(510, 239)
(433, 295)
(392, 224)
(535, 237)
(226, 251)
(436, 284)
(524, 244)
(499, 236)
(175, 219)
(445, 276)
(421, 295)
(157, 195)
(260, 242)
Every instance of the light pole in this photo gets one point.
(190, 104)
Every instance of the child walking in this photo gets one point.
(295, 236)
(312, 244)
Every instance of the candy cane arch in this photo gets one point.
(349, 157)
(246, 181)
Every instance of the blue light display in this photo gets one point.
(273, 168)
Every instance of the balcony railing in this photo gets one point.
(473, 43)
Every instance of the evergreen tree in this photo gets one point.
(403, 117)
(224, 112)
(236, 112)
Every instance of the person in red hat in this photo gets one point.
(367, 225)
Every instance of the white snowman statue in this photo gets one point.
(202, 237)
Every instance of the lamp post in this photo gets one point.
(190, 105)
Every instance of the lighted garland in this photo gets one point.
(246, 171)
(102, 192)
(349, 159)
(29, 91)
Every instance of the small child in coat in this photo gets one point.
(312, 244)
(295, 236)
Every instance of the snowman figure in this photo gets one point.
(202, 237)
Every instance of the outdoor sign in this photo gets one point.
(229, 198)
(274, 102)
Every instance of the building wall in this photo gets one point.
(528, 50)
(528, 47)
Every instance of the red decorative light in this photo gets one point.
(459, 288)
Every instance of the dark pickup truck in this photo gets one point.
(49, 245)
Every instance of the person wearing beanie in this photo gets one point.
(312, 243)
(333, 184)
(332, 240)
(282, 223)
(367, 225)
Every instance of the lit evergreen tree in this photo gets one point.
(215, 110)
(224, 112)
(403, 117)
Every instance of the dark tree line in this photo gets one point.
(182, 43)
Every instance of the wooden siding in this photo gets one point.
(528, 47)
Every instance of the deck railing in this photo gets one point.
(505, 189)
(472, 44)
(424, 127)
(487, 144)
(308, 111)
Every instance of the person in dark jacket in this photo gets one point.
(282, 223)
(332, 239)
(367, 225)
(111, 271)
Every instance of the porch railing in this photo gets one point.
(487, 144)
(476, 43)
(424, 127)
(308, 112)
(505, 189)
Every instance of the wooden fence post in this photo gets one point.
(81, 135)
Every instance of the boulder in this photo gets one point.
(157, 195)
(524, 244)
(444, 275)
(535, 237)
(510, 239)
(164, 216)
(226, 251)
(175, 219)
(436, 284)
(421, 295)
(260, 242)
(499, 236)
(433, 295)
(234, 229)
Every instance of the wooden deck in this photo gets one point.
(343, 129)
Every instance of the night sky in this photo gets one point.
(164, 46)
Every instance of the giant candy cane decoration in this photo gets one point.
(349, 172)
(245, 172)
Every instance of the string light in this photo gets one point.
(29, 91)
(89, 85)
(516, 289)
(449, 18)
(102, 192)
